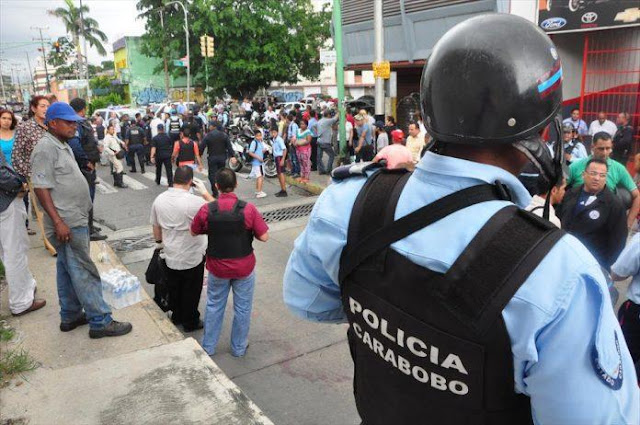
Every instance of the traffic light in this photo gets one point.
(210, 47)
(56, 45)
(203, 46)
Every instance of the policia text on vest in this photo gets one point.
(414, 355)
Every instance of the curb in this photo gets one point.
(310, 187)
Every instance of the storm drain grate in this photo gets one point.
(132, 244)
(288, 213)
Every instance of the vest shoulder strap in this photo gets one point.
(239, 206)
(495, 264)
(374, 199)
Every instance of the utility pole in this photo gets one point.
(86, 53)
(337, 43)
(44, 56)
(33, 82)
(379, 53)
(164, 56)
(4, 96)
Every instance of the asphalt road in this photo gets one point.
(297, 372)
(126, 208)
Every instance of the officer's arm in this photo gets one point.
(617, 233)
(78, 153)
(311, 289)
(570, 356)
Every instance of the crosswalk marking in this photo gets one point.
(152, 176)
(134, 184)
(104, 188)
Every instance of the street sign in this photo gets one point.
(178, 62)
(382, 70)
(328, 56)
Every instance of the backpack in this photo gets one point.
(248, 158)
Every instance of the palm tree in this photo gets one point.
(70, 16)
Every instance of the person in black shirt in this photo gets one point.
(623, 139)
(194, 128)
(161, 149)
(219, 147)
(594, 215)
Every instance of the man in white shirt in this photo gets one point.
(603, 124)
(247, 108)
(171, 215)
(154, 124)
(538, 201)
(415, 141)
(576, 122)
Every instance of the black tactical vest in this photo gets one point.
(174, 126)
(135, 135)
(432, 348)
(228, 237)
(187, 152)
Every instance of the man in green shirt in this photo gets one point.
(617, 174)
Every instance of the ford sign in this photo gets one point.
(553, 24)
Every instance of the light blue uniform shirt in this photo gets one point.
(628, 264)
(554, 320)
(278, 147)
(256, 147)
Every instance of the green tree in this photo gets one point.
(107, 65)
(70, 17)
(256, 42)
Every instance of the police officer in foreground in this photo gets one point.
(463, 308)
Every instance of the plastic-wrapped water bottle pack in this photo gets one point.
(119, 288)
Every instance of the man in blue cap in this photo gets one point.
(63, 193)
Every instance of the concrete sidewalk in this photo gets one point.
(317, 183)
(151, 376)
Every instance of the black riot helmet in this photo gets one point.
(494, 79)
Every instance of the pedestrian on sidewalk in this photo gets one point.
(115, 151)
(279, 156)
(135, 141)
(14, 242)
(364, 146)
(171, 216)
(87, 154)
(186, 151)
(64, 195)
(256, 152)
(28, 133)
(8, 125)
(303, 151)
(231, 226)
(292, 130)
(325, 132)
(161, 150)
(313, 128)
(219, 147)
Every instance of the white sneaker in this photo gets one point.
(261, 195)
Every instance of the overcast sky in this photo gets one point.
(115, 17)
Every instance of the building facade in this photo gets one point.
(136, 72)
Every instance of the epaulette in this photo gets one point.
(358, 169)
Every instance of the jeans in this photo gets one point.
(314, 154)
(328, 149)
(293, 157)
(79, 283)
(217, 294)
(215, 162)
(167, 168)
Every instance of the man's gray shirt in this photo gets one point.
(55, 168)
(324, 130)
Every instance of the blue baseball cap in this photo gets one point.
(61, 111)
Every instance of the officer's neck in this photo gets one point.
(506, 157)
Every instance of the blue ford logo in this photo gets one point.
(553, 23)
